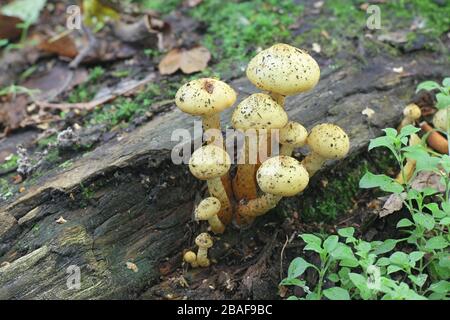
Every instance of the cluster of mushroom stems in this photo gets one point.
(258, 186)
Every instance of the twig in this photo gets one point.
(288, 240)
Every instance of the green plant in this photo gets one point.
(442, 97)
(15, 90)
(360, 269)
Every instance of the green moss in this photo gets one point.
(45, 142)
(10, 163)
(236, 29)
(52, 155)
(86, 91)
(337, 196)
(6, 189)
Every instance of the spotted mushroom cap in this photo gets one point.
(190, 257)
(440, 119)
(293, 134)
(204, 240)
(412, 111)
(329, 141)
(259, 111)
(283, 69)
(209, 162)
(205, 96)
(207, 208)
(282, 176)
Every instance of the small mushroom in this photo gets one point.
(191, 258)
(411, 113)
(280, 176)
(258, 111)
(207, 210)
(210, 163)
(440, 120)
(283, 70)
(326, 141)
(293, 135)
(204, 242)
(205, 97)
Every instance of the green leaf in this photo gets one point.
(393, 268)
(383, 262)
(443, 101)
(407, 131)
(399, 258)
(297, 267)
(428, 85)
(293, 282)
(330, 243)
(446, 82)
(388, 245)
(336, 293)
(333, 277)
(385, 183)
(346, 232)
(442, 286)
(424, 220)
(27, 10)
(416, 256)
(445, 221)
(436, 243)
(403, 223)
(360, 282)
(419, 280)
(310, 238)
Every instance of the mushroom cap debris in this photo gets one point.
(204, 240)
(412, 111)
(282, 176)
(283, 69)
(209, 162)
(293, 134)
(259, 111)
(329, 141)
(207, 208)
(205, 96)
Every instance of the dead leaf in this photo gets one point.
(61, 220)
(189, 61)
(192, 3)
(427, 179)
(368, 112)
(13, 112)
(131, 266)
(8, 27)
(123, 88)
(61, 45)
(393, 203)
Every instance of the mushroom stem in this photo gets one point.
(258, 206)
(286, 149)
(244, 183)
(217, 190)
(211, 121)
(202, 257)
(435, 140)
(204, 242)
(408, 170)
(313, 162)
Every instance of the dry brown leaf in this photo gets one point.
(8, 27)
(427, 179)
(189, 61)
(62, 46)
(13, 112)
(393, 203)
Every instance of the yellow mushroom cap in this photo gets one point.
(207, 208)
(259, 111)
(283, 69)
(282, 176)
(209, 162)
(293, 134)
(205, 96)
(329, 141)
(190, 257)
(412, 111)
(204, 240)
(440, 119)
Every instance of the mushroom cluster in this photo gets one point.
(257, 186)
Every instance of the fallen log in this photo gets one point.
(127, 202)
